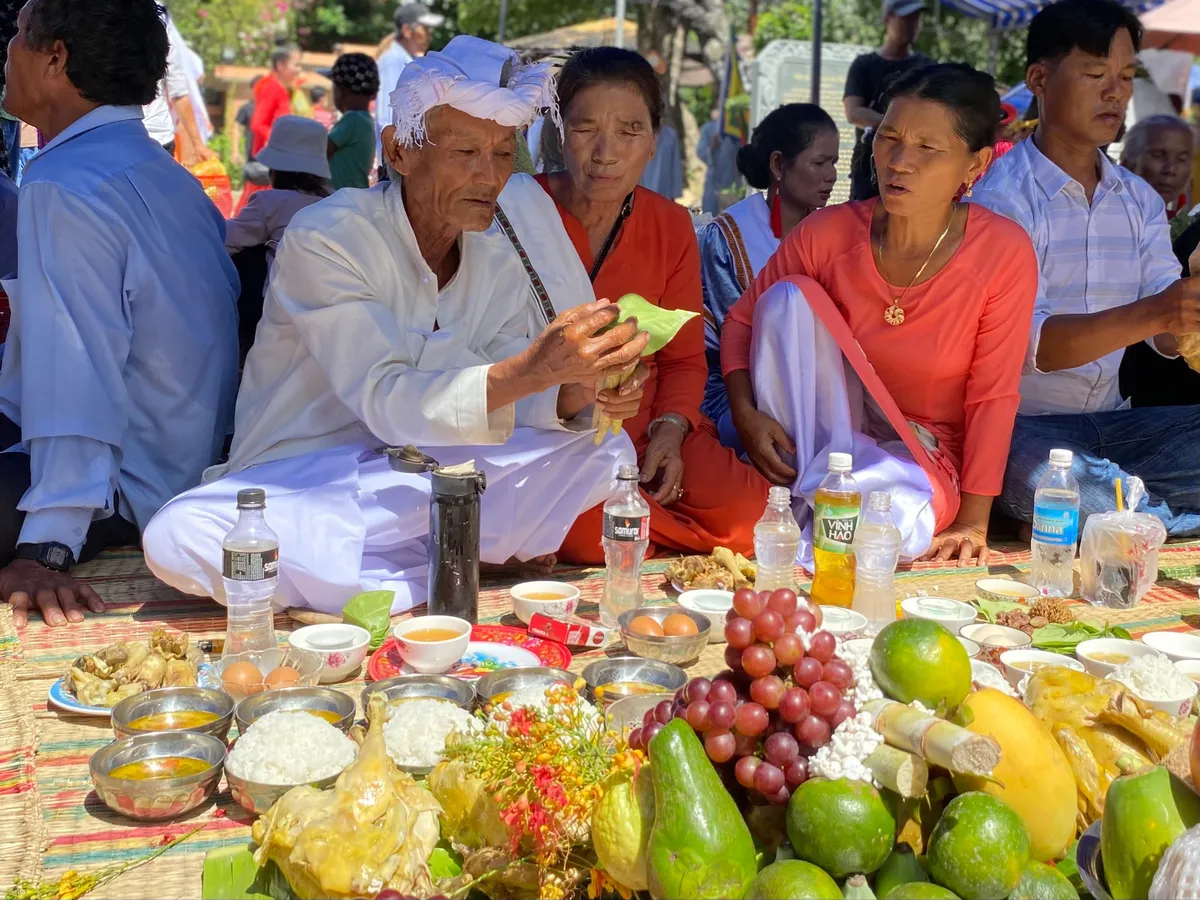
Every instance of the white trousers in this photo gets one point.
(802, 380)
(348, 523)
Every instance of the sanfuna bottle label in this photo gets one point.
(1055, 526)
(256, 565)
(626, 528)
(834, 527)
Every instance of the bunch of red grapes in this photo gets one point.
(776, 706)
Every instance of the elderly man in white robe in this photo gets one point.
(392, 318)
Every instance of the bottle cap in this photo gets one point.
(1062, 457)
(880, 500)
(251, 498)
(779, 496)
(627, 473)
(840, 462)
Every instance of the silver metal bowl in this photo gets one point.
(678, 649)
(159, 798)
(632, 669)
(258, 797)
(302, 698)
(412, 687)
(1091, 867)
(627, 713)
(175, 699)
(508, 681)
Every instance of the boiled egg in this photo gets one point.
(646, 626)
(679, 625)
(282, 676)
(242, 679)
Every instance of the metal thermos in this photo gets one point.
(454, 544)
(453, 531)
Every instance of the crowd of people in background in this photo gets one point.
(434, 266)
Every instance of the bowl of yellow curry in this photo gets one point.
(163, 775)
(188, 709)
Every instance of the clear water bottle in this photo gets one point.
(877, 545)
(626, 537)
(838, 504)
(250, 566)
(1055, 528)
(776, 543)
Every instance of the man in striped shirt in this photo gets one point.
(1108, 277)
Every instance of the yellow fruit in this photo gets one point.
(621, 823)
(1037, 779)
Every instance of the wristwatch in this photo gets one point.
(677, 420)
(52, 555)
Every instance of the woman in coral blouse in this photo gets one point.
(928, 301)
(631, 240)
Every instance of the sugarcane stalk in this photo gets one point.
(901, 772)
(938, 742)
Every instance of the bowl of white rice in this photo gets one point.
(416, 731)
(1156, 681)
(282, 750)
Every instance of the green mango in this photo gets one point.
(700, 847)
(1143, 815)
(661, 324)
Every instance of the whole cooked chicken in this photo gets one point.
(373, 831)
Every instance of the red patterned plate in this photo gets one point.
(492, 647)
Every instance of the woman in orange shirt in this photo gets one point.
(632, 240)
(928, 300)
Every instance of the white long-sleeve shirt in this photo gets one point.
(157, 115)
(121, 362)
(357, 344)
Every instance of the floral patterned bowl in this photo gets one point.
(342, 648)
(160, 798)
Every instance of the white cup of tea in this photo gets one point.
(432, 645)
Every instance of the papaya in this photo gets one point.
(1143, 815)
(901, 867)
(1034, 777)
(700, 847)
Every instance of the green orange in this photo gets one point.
(917, 659)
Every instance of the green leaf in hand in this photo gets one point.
(661, 324)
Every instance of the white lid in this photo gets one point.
(840, 462)
(1062, 457)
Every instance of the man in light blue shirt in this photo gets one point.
(414, 33)
(119, 376)
(1108, 278)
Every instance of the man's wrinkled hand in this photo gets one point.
(763, 439)
(25, 584)
(580, 347)
(663, 462)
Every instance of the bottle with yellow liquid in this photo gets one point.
(835, 519)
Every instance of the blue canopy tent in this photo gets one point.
(1002, 15)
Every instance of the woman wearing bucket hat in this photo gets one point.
(299, 173)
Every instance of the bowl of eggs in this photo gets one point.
(251, 672)
(669, 634)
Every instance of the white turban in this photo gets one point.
(483, 79)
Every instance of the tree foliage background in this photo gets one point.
(244, 31)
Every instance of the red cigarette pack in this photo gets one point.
(570, 630)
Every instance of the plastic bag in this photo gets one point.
(1118, 557)
(215, 180)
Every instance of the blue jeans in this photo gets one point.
(25, 155)
(1160, 445)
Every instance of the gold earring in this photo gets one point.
(970, 187)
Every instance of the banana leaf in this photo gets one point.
(661, 324)
(371, 610)
(230, 873)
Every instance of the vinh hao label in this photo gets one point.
(258, 565)
(627, 528)
(833, 527)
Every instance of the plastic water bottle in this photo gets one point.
(250, 566)
(776, 543)
(626, 537)
(877, 545)
(1055, 528)
(835, 519)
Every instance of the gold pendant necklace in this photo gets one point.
(894, 314)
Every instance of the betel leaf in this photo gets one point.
(371, 610)
(1065, 638)
(993, 608)
(661, 324)
(444, 862)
